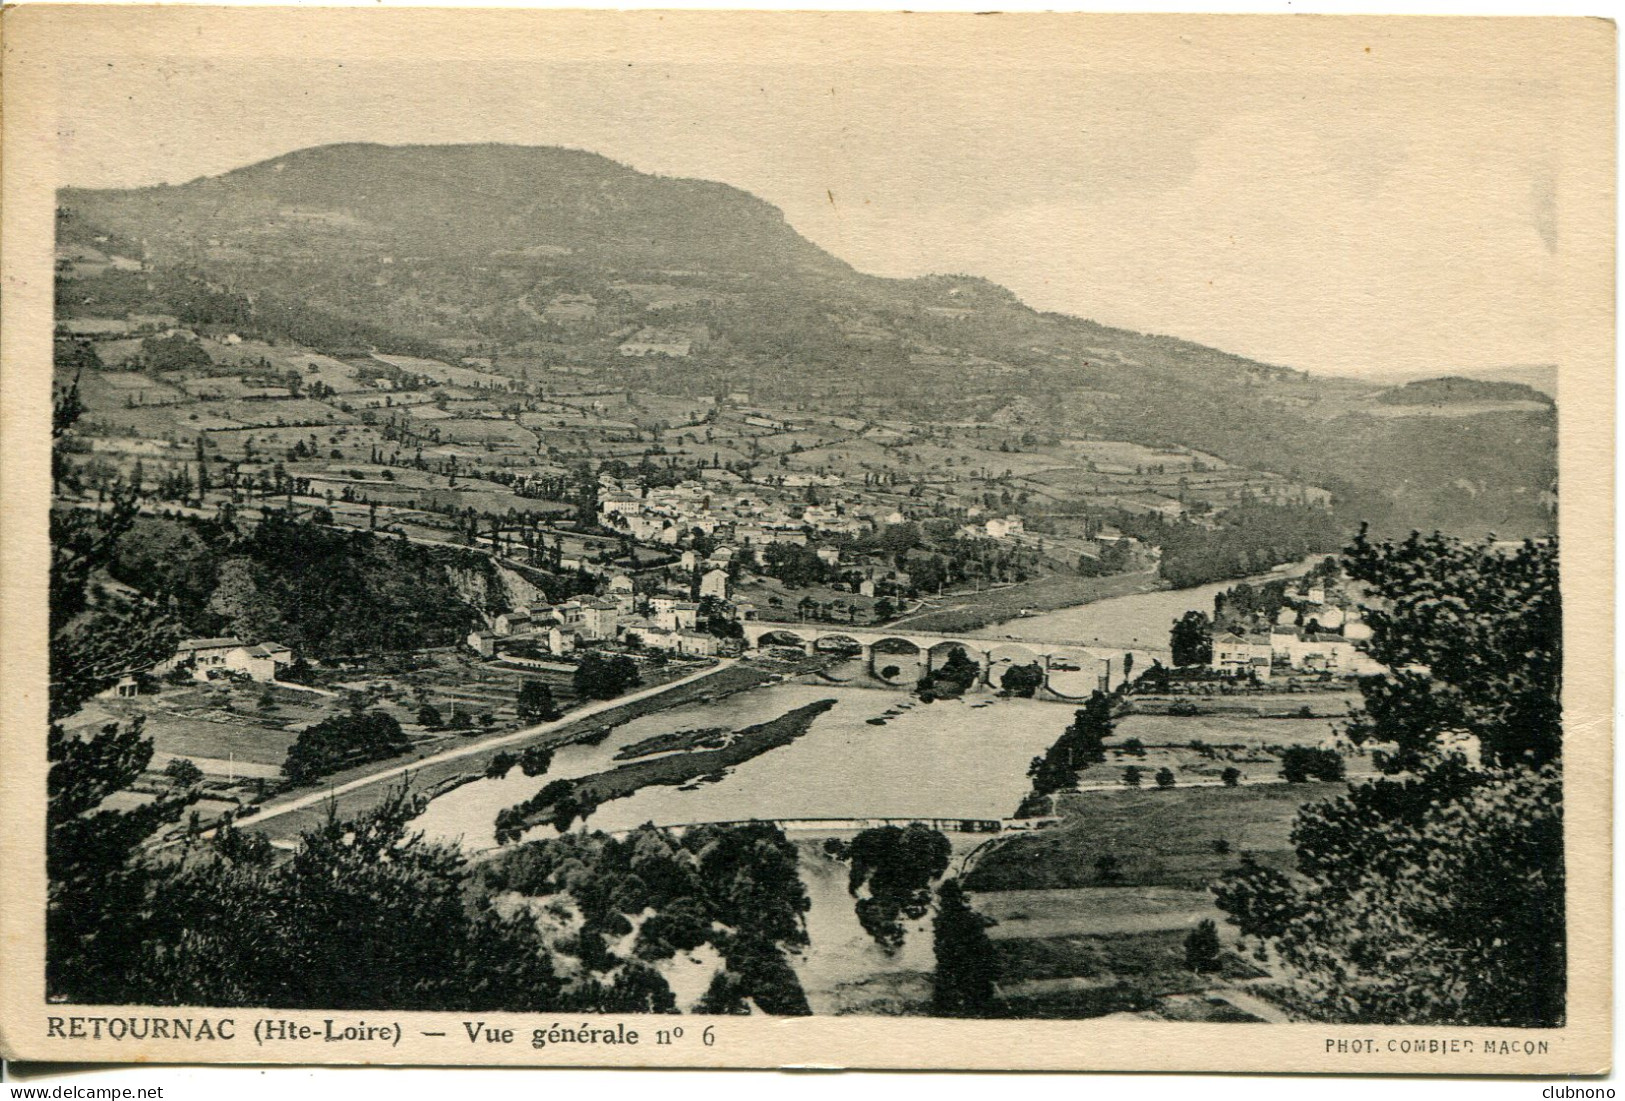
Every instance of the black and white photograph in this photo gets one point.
(699, 539)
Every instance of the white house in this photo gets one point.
(1239, 655)
(260, 662)
(715, 583)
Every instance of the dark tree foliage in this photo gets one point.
(1202, 947)
(1082, 744)
(962, 984)
(333, 593)
(183, 772)
(1300, 763)
(725, 996)
(343, 741)
(367, 915)
(1191, 639)
(535, 760)
(172, 353)
(1436, 896)
(1022, 680)
(535, 703)
(1485, 624)
(737, 888)
(892, 869)
(1249, 539)
(952, 679)
(1165, 778)
(94, 882)
(598, 677)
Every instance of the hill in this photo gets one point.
(549, 260)
(1455, 390)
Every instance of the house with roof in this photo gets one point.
(1240, 655)
(206, 656)
(600, 618)
(715, 583)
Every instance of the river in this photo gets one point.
(949, 759)
(1137, 622)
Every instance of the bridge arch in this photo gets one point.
(1073, 676)
(783, 636)
(837, 643)
(895, 660)
(1005, 656)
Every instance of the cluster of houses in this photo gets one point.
(661, 621)
(751, 517)
(206, 657)
(1315, 634)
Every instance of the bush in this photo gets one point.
(341, 742)
(1231, 776)
(1165, 778)
(183, 772)
(1202, 947)
(1131, 776)
(1301, 762)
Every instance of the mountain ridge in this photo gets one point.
(564, 256)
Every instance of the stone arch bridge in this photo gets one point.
(1071, 672)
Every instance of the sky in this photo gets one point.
(1382, 198)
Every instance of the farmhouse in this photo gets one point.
(1239, 655)
(205, 656)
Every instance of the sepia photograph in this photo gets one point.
(754, 539)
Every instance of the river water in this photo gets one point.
(1138, 622)
(950, 759)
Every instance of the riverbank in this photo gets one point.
(668, 771)
(283, 820)
(991, 607)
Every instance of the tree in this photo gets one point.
(365, 915)
(893, 868)
(1080, 745)
(1022, 680)
(1485, 624)
(183, 772)
(1108, 868)
(1202, 947)
(1436, 896)
(1231, 776)
(1165, 778)
(1191, 639)
(535, 760)
(1300, 763)
(343, 741)
(95, 881)
(535, 703)
(603, 678)
(967, 966)
(429, 717)
(724, 996)
(1131, 776)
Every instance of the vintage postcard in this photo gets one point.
(742, 539)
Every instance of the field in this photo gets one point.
(1078, 977)
(1160, 838)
